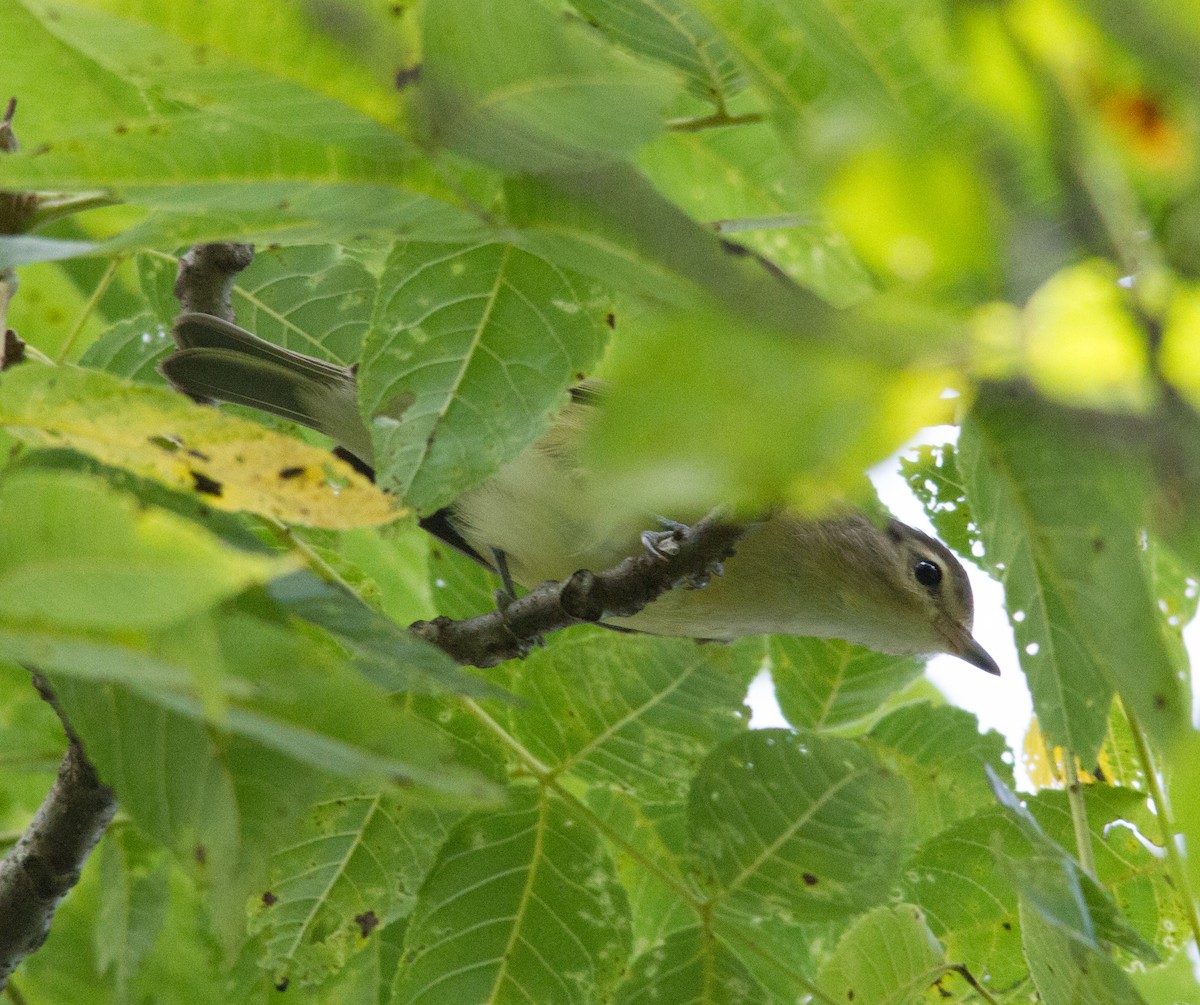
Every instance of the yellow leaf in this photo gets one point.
(233, 463)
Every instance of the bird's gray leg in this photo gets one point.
(508, 591)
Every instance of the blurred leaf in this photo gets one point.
(18, 249)
(233, 463)
(134, 898)
(914, 216)
(676, 437)
(544, 911)
(747, 181)
(385, 652)
(524, 89)
(78, 557)
(822, 684)
(1058, 514)
(805, 826)
(468, 352)
(887, 957)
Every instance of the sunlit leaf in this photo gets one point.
(1057, 513)
(232, 463)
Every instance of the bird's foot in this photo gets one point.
(664, 544)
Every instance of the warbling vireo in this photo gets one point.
(888, 587)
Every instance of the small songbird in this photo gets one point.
(882, 585)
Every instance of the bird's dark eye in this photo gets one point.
(928, 573)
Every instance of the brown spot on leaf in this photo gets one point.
(1160, 701)
(810, 879)
(610, 319)
(397, 406)
(282, 985)
(199, 455)
(1098, 544)
(294, 472)
(268, 898)
(407, 75)
(367, 922)
(205, 485)
(200, 854)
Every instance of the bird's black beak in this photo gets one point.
(972, 652)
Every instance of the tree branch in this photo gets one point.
(692, 555)
(46, 862)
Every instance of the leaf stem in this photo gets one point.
(314, 561)
(1166, 823)
(90, 306)
(716, 120)
(1083, 835)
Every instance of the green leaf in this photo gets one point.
(650, 832)
(630, 712)
(887, 957)
(81, 557)
(523, 904)
(469, 350)
(826, 683)
(970, 900)
(132, 348)
(689, 968)
(747, 181)
(933, 476)
(807, 826)
(354, 867)
(670, 32)
(1053, 883)
(1058, 514)
(134, 898)
(942, 754)
(518, 87)
(1067, 972)
(183, 129)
